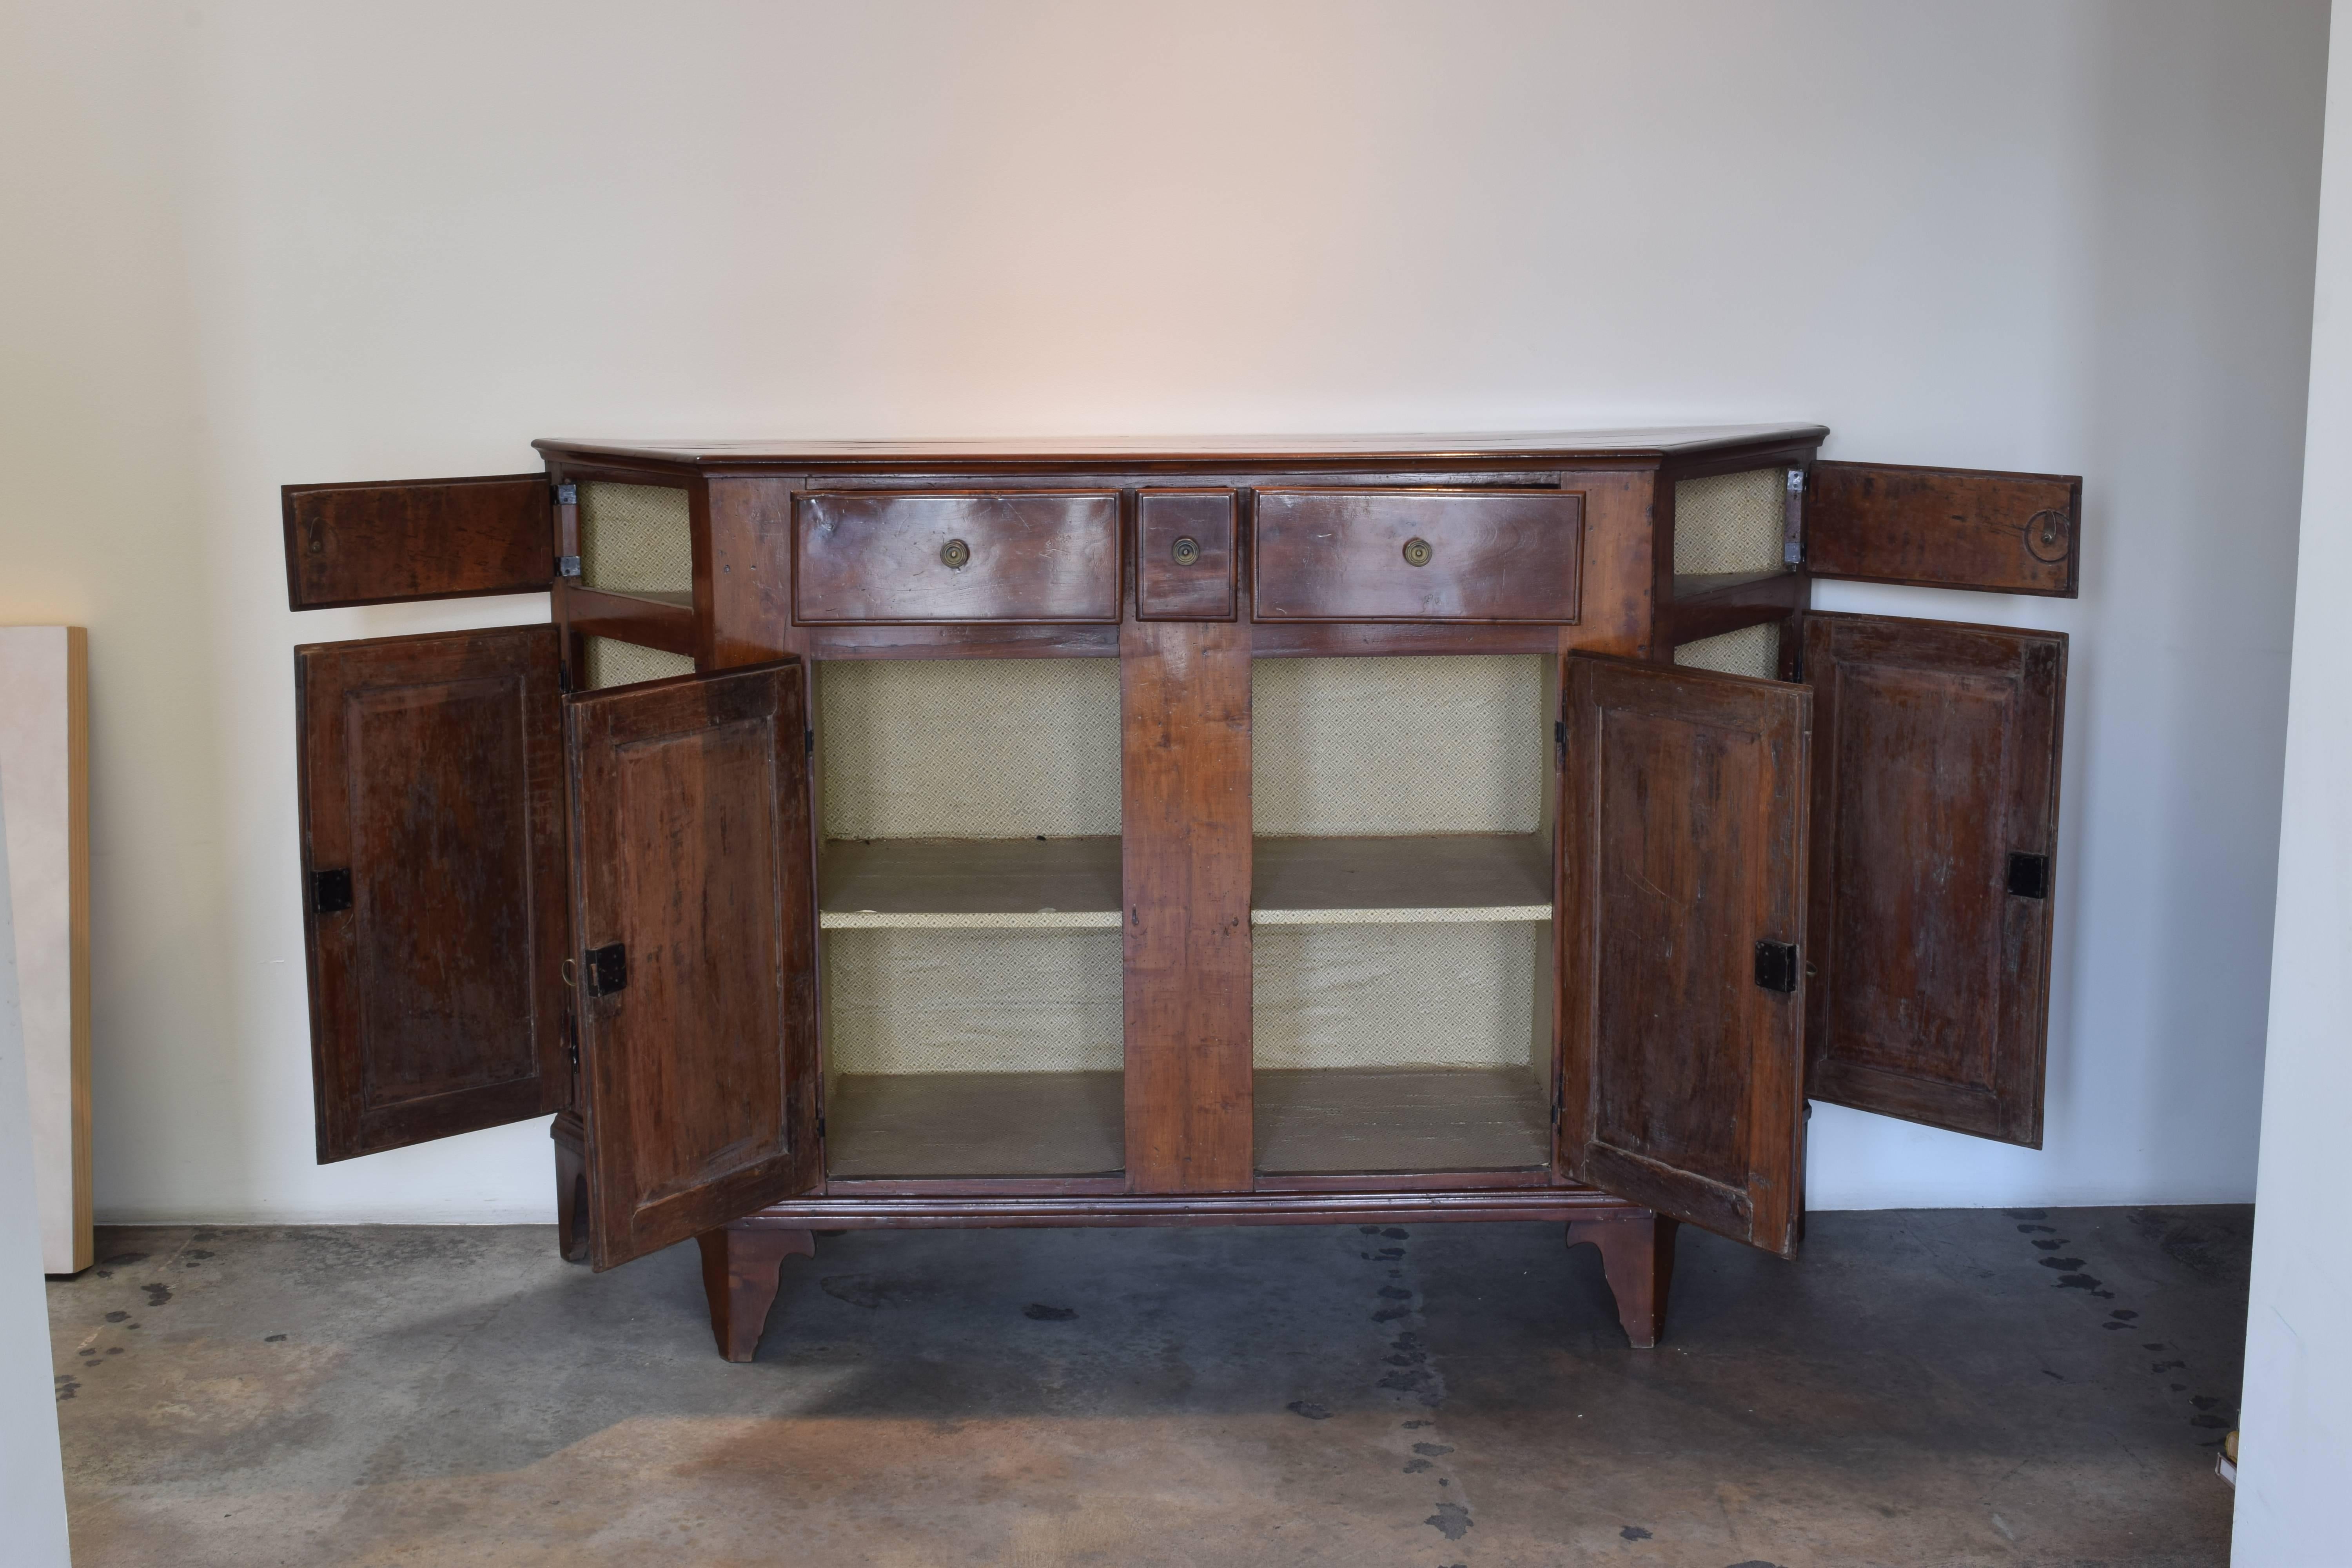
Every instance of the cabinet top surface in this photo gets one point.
(1534, 446)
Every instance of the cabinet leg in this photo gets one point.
(571, 1191)
(1637, 1254)
(741, 1268)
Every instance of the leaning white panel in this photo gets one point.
(44, 778)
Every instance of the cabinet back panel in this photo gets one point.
(1392, 746)
(635, 539)
(994, 747)
(1751, 650)
(1397, 995)
(903, 1001)
(1731, 522)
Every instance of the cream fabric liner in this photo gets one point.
(635, 539)
(1751, 650)
(1731, 522)
(1396, 995)
(992, 748)
(1389, 746)
(973, 1001)
(612, 662)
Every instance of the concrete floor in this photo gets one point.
(1924, 1388)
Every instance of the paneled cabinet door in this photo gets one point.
(432, 883)
(696, 913)
(1935, 827)
(1683, 864)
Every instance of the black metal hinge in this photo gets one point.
(607, 968)
(331, 892)
(1558, 1100)
(572, 1040)
(1776, 965)
(2029, 875)
(1560, 740)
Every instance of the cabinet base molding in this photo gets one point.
(835, 1212)
(1637, 1254)
(742, 1266)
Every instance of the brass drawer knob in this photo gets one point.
(1185, 550)
(1417, 552)
(955, 552)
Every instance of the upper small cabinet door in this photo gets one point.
(697, 921)
(1935, 825)
(433, 882)
(417, 538)
(1945, 527)
(1683, 851)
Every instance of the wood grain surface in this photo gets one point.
(698, 1075)
(881, 556)
(1936, 757)
(1341, 555)
(417, 538)
(1683, 844)
(431, 775)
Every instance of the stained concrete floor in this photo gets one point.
(1923, 1387)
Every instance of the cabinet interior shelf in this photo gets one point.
(971, 884)
(913, 1125)
(1073, 884)
(1403, 880)
(1329, 1121)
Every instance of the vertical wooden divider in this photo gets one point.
(1184, 708)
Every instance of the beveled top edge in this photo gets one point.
(1534, 445)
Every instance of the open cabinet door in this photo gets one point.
(433, 882)
(388, 542)
(1945, 527)
(1934, 824)
(1683, 851)
(694, 905)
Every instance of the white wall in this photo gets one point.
(253, 243)
(2295, 1451)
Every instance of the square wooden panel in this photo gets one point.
(1184, 555)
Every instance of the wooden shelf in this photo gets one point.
(1710, 604)
(975, 1125)
(660, 620)
(972, 884)
(1451, 878)
(1331, 1120)
(1699, 587)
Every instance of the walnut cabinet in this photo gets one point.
(1239, 832)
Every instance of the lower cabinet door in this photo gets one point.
(432, 883)
(696, 919)
(1683, 896)
(1935, 827)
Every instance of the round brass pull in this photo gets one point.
(1417, 552)
(955, 552)
(1185, 550)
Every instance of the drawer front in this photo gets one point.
(1184, 555)
(905, 556)
(1417, 555)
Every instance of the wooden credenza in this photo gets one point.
(1191, 831)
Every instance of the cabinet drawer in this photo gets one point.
(955, 555)
(1417, 555)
